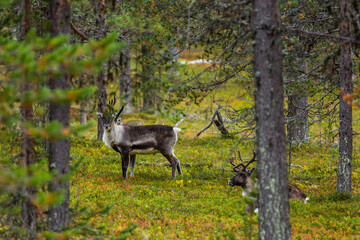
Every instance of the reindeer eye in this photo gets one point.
(118, 121)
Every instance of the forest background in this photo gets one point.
(61, 62)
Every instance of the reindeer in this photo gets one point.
(131, 140)
(244, 179)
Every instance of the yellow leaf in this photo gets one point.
(65, 132)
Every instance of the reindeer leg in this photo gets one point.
(173, 169)
(132, 164)
(173, 161)
(125, 163)
(178, 164)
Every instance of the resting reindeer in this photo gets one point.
(248, 184)
(147, 139)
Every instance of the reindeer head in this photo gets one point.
(109, 117)
(243, 175)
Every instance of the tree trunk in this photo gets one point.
(83, 112)
(24, 25)
(270, 130)
(83, 103)
(343, 183)
(59, 151)
(125, 76)
(101, 78)
(298, 126)
(147, 78)
(29, 213)
(102, 96)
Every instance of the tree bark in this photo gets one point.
(270, 130)
(125, 75)
(83, 112)
(59, 150)
(83, 103)
(343, 183)
(101, 78)
(29, 213)
(147, 78)
(298, 126)
(102, 96)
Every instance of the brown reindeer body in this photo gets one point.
(130, 140)
(244, 179)
(297, 193)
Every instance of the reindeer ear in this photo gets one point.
(100, 115)
(118, 121)
(252, 170)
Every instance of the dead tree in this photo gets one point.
(219, 123)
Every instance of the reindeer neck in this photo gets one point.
(108, 137)
(250, 184)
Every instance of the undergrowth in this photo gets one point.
(200, 204)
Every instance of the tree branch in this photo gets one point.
(211, 122)
(353, 40)
(218, 122)
(83, 36)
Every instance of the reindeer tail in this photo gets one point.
(178, 123)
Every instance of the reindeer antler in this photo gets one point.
(232, 162)
(252, 160)
(113, 101)
(240, 157)
(242, 164)
(236, 166)
(117, 115)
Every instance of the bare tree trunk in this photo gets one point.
(83, 112)
(101, 78)
(298, 126)
(147, 77)
(29, 213)
(343, 183)
(125, 75)
(273, 199)
(83, 103)
(59, 151)
(102, 96)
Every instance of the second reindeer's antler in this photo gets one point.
(236, 168)
(113, 101)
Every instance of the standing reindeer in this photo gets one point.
(131, 140)
(244, 179)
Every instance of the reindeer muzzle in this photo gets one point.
(231, 183)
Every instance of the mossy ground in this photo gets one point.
(200, 204)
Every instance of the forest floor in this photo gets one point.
(200, 204)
